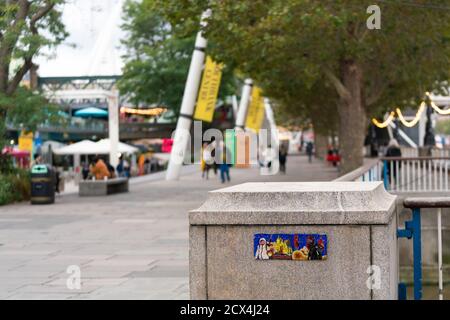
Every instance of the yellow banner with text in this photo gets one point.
(256, 111)
(209, 89)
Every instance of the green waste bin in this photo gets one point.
(42, 184)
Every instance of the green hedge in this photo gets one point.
(14, 186)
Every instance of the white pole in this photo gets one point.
(439, 227)
(243, 104)
(421, 128)
(271, 120)
(403, 135)
(113, 128)
(182, 131)
(235, 103)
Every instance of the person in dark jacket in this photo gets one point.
(282, 157)
(393, 151)
(309, 150)
(224, 165)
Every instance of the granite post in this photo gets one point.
(358, 218)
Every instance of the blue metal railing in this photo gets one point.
(412, 231)
(423, 174)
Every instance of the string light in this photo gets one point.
(435, 107)
(439, 110)
(412, 123)
(143, 112)
(386, 122)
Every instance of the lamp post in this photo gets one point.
(429, 140)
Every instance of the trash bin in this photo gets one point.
(42, 184)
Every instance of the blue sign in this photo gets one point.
(296, 246)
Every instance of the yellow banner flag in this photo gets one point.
(256, 111)
(26, 141)
(209, 89)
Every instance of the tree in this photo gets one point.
(306, 104)
(368, 70)
(158, 59)
(26, 28)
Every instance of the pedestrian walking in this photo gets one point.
(393, 151)
(206, 161)
(224, 166)
(141, 163)
(282, 158)
(123, 168)
(85, 170)
(119, 168)
(309, 150)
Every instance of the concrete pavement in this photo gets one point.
(126, 246)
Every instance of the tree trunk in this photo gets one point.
(321, 145)
(352, 118)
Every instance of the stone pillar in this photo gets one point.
(357, 221)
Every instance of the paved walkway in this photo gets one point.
(127, 246)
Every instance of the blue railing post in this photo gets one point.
(417, 251)
(412, 230)
(385, 174)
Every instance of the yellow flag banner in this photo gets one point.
(209, 89)
(256, 111)
(26, 141)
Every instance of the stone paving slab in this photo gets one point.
(128, 246)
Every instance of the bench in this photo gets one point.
(92, 188)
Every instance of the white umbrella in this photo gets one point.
(82, 147)
(53, 144)
(104, 145)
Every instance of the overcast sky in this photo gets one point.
(94, 27)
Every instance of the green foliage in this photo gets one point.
(29, 26)
(27, 29)
(158, 58)
(6, 194)
(300, 50)
(400, 61)
(14, 183)
(27, 109)
(6, 164)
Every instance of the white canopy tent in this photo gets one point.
(89, 147)
(82, 147)
(103, 146)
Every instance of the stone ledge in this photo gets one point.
(89, 188)
(297, 203)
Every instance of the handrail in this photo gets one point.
(412, 158)
(431, 202)
(355, 174)
(404, 174)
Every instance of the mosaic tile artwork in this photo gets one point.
(296, 246)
